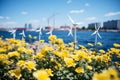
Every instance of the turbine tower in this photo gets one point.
(13, 32)
(96, 33)
(51, 30)
(74, 25)
(23, 34)
(40, 32)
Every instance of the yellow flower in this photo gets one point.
(2, 50)
(116, 45)
(30, 65)
(101, 51)
(110, 74)
(97, 76)
(41, 41)
(39, 55)
(88, 58)
(69, 62)
(52, 37)
(49, 71)
(3, 57)
(90, 44)
(99, 44)
(16, 73)
(59, 41)
(58, 65)
(75, 57)
(46, 49)
(21, 49)
(106, 58)
(82, 54)
(41, 75)
(89, 67)
(21, 63)
(64, 53)
(28, 51)
(30, 36)
(14, 53)
(52, 59)
(70, 48)
(79, 70)
(9, 47)
(117, 63)
(35, 37)
(6, 62)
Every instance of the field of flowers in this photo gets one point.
(57, 61)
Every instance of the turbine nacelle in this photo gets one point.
(13, 32)
(96, 31)
(39, 30)
(73, 22)
(70, 32)
(50, 32)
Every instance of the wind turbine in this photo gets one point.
(50, 32)
(22, 33)
(96, 33)
(13, 32)
(40, 32)
(70, 32)
(74, 25)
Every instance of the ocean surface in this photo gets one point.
(83, 37)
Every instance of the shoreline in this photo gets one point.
(77, 30)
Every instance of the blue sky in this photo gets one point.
(15, 13)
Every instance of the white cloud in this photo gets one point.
(1, 17)
(24, 12)
(80, 23)
(9, 24)
(34, 21)
(91, 18)
(87, 4)
(44, 19)
(77, 11)
(7, 17)
(112, 14)
(69, 1)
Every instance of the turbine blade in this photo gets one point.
(70, 33)
(23, 33)
(48, 32)
(99, 35)
(36, 30)
(20, 33)
(94, 33)
(98, 28)
(40, 33)
(71, 19)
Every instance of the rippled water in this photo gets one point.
(83, 37)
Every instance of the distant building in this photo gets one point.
(64, 27)
(30, 26)
(20, 28)
(25, 26)
(48, 28)
(113, 24)
(92, 25)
